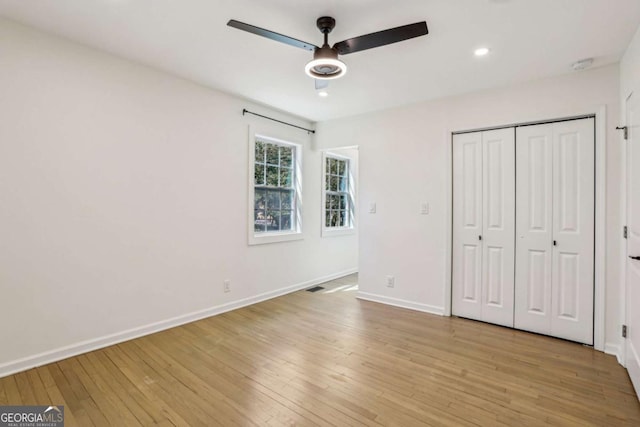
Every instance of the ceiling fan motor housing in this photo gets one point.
(326, 63)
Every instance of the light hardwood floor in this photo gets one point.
(327, 358)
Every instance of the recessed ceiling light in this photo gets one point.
(481, 51)
(323, 93)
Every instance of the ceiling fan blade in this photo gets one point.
(381, 38)
(321, 83)
(271, 35)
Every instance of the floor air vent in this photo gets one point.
(315, 289)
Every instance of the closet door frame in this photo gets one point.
(600, 115)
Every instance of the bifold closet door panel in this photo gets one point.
(534, 227)
(555, 229)
(483, 226)
(498, 234)
(466, 292)
(573, 230)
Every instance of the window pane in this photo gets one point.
(273, 200)
(285, 221)
(342, 183)
(334, 183)
(327, 182)
(327, 218)
(286, 156)
(335, 202)
(259, 151)
(334, 218)
(343, 202)
(272, 154)
(287, 199)
(342, 166)
(260, 201)
(285, 177)
(259, 175)
(272, 175)
(333, 166)
(259, 221)
(326, 165)
(343, 218)
(273, 220)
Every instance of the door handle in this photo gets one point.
(480, 237)
(637, 258)
(555, 243)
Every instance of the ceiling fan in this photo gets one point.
(325, 64)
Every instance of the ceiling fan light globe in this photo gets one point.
(325, 68)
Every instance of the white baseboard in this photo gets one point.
(615, 350)
(61, 353)
(401, 303)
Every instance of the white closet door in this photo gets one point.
(483, 215)
(467, 226)
(534, 229)
(498, 195)
(573, 230)
(555, 229)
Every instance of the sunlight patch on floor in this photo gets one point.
(345, 288)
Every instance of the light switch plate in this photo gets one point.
(372, 207)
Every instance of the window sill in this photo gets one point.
(335, 232)
(260, 239)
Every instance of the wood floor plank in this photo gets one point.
(149, 395)
(328, 359)
(56, 398)
(12, 392)
(122, 400)
(39, 389)
(158, 387)
(24, 388)
(75, 404)
(4, 400)
(232, 381)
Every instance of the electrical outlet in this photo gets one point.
(226, 285)
(391, 281)
(424, 208)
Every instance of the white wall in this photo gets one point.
(630, 68)
(123, 202)
(405, 160)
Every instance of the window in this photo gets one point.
(338, 203)
(275, 193)
(274, 190)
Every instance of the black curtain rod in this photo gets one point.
(244, 111)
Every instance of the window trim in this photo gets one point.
(352, 191)
(273, 236)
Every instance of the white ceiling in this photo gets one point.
(529, 39)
